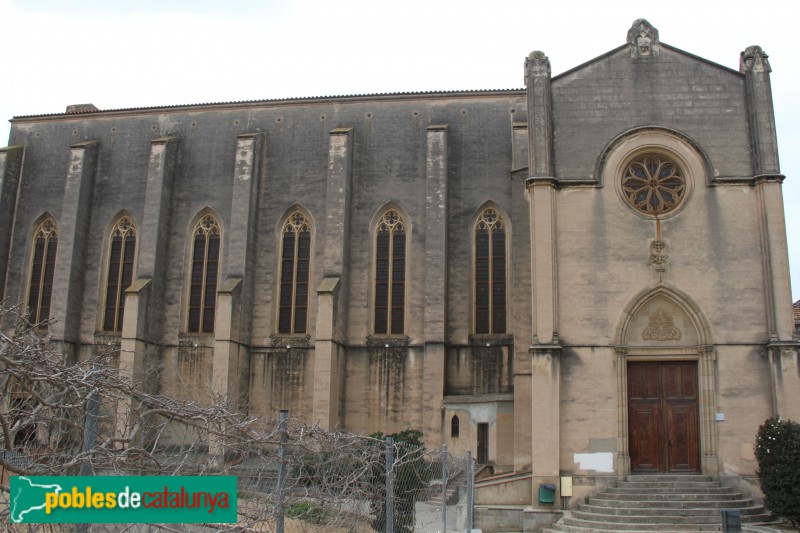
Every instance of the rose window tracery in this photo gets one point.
(653, 184)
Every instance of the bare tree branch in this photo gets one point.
(332, 479)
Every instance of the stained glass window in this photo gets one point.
(295, 269)
(43, 264)
(490, 273)
(653, 184)
(122, 250)
(390, 274)
(204, 276)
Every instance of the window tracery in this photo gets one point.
(121, 254)
(295, 267)
(43, 263)
(490, 273)
(204, 274)
(653, 184)
(390, 274)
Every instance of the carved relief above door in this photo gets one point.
(665, 376)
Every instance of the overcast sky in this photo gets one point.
(129, 53)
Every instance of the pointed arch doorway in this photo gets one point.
(665, 375)
(663, 417)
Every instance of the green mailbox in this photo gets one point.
(547, 493)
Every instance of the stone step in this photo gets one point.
(672, 504)
(667, 484)
(749, 516)
(659, 504)
(451, 497)
(704, 518)
(764, 517)
(563, 528)
(637, 526)
(677, 497)
(667, 477)
(666, 511)
(635, 491)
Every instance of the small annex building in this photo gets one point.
(553, 277)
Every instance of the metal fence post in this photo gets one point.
(89, 435)
(444, 488)
(389, 485)
(90, 424)
(283, 417)
(470, 491)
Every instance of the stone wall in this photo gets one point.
(585, 270)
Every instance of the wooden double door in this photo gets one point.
(663, 417)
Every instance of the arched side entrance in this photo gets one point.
(666, 386)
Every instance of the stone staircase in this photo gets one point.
(451, 496)
(659, 504)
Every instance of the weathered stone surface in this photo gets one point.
(584, 277)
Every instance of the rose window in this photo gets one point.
(653, 184)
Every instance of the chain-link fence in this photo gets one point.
(62, 418)
(447, 503)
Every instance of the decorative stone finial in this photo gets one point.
(536, 64)
(643, 38)
(658, 255)
(754, 59)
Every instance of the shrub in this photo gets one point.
(302, 510)
(778, 455)
(412, 474)
(324, 470)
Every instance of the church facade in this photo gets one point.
(587, 277)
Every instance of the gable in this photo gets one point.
(600, 99)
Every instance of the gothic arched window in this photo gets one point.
(295, 268)
(204, 274)
(390, 274)
(455, 427)
(43, 264)
(490, 273)
(121, 253)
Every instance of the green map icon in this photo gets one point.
(28, 498)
